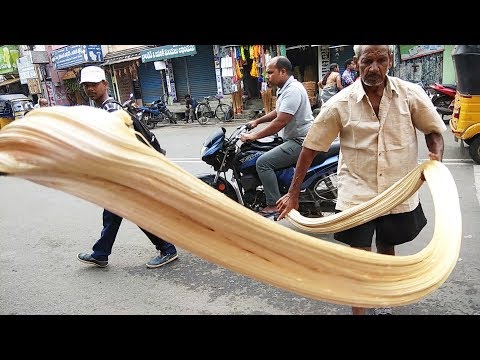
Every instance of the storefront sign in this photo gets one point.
(40, 57)
(26, 70)
(34, 86)
(172, 92)
(414, 51)
(8, 58)
(50, 92)
(167, 52)
(325, 59)
(75, 55)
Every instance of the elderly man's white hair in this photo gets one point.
(357, 48)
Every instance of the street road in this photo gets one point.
(43, 229)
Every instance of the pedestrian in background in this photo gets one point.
(377, 120)
(95, 85)
(331, 83)
(348, 76)
(42, 102)
(190, 105)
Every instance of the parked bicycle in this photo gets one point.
(204, 112)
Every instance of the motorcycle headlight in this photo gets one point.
(203, 151)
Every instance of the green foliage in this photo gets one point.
(72, 85)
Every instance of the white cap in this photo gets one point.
(93, 74)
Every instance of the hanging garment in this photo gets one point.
(254, 70)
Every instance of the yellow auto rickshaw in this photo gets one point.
(12, 107)
(465, 120)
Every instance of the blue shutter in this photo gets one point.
(179, 66)
(150, 82)
(195, 75)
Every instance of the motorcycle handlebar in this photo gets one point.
(127, 103)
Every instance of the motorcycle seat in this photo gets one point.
(262, 145)
(322, 156)
(450, 86)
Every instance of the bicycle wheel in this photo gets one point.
(224, 112)
(201, 113)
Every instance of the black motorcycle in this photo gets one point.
(319, 188)
(156, 113)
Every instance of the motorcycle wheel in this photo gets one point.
(171, 117)
(325, 191)
(221, 185)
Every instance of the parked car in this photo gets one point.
(12, 107)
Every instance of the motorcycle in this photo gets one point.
(155, 113)
(131, 107)
(443, 98)
(318, 194)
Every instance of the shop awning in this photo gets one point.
(70, 74)
(9, 81)
(124, 55)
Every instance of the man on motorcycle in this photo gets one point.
(293, 114)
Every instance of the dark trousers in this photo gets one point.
(111, 223)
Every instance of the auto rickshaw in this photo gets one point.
(465, 120)
(12, 107)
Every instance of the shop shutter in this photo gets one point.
(150, 82)
(179, 66)
(195, 75)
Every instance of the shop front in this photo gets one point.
(9, 78)
(72, 59)
(243, 73)
(421, 63)
(124, 72)
(182, 69)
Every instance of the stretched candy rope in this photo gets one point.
(91, 154)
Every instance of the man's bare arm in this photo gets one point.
(435, 145)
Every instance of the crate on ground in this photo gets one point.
(311, 87)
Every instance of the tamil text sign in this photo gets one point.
(74, 55)
(167, 52)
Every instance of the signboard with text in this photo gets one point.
(40, 57)
(8, 58)
(167, 52)
(34, 86)
(26, 70)
(74, 55)
(414, 51)
(50, 92)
